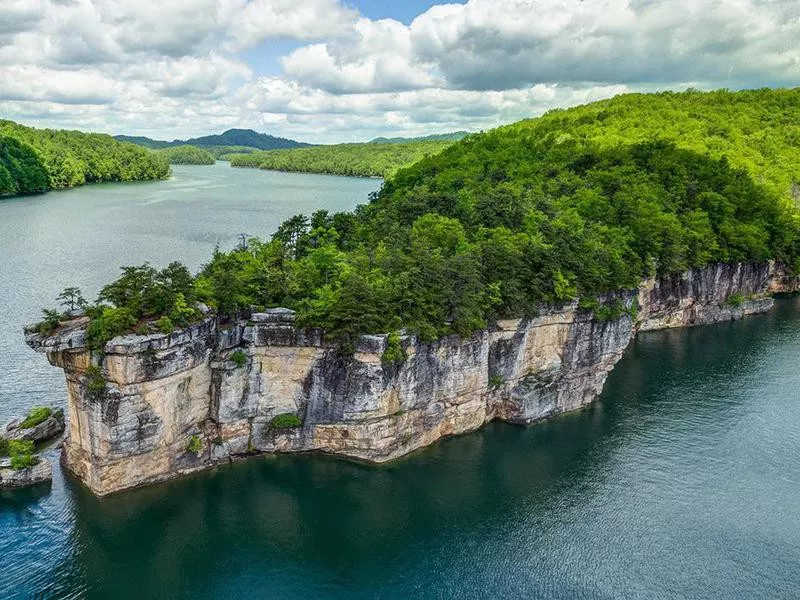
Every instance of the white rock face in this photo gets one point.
(163, 392)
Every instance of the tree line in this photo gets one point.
(357, 160)
(188, 155)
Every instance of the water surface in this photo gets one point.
(683, 481)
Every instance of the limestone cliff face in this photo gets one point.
(218, 390)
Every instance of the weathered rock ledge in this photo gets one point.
(178, 403)
(41, 472)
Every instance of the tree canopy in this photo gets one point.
(36, 160)
(359, 160)
(500, 223)
(188, 155)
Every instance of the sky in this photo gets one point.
(329, 71)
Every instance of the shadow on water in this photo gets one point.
(631, 498)
(17, 499)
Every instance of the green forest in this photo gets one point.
(37, 160)
(499, 224)
(187, 155)
(358, 160)
(758, 130)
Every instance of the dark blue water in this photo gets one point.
(683, 481)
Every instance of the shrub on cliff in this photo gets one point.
(285, 421)
(50, 322)
(106, 323)
(194, 445)
(393, 354)
(95, 382)
(239, 358)
(164, 324)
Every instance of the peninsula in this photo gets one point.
(500, 279)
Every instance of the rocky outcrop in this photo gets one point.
(41, 472)
(172, 404)
(48, 429)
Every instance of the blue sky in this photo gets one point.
(350, 70)
(404, 11)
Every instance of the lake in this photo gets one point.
(682, 481)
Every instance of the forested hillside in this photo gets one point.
(758, 130)
(435, 137)
(545, 211)
(37, 160)
(188, 155)
(360, 160)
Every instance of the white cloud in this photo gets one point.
(371, 56)
(177, 68)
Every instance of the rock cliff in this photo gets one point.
(164, 405)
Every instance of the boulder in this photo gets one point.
(53, 426)
(38, 473)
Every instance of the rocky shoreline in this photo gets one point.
(160, 406)
(20, 439)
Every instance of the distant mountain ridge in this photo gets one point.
(436, 137)
(232, 137)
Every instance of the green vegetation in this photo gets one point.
(3, 447)
(394, 353)
(37, 160)
(164, 324)
(21, 168)
(246, 138)
(359, 160)
(285, 421)
(36, 416)
(225, 152)
(757, 130)
(500, 223)
(50, 321)
(735, 300)
(95, 382)
(142, 293)
(21, 453)
(496, 382)
(188, 155)
(195, 445)
(436, 137)
(239, 358)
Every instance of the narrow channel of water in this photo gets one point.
(683, 481)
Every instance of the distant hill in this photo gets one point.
(233, 137)
(360, 160)
(144, 141)
(187, 155)
(436, 137)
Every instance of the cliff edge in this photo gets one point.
(155, 407)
